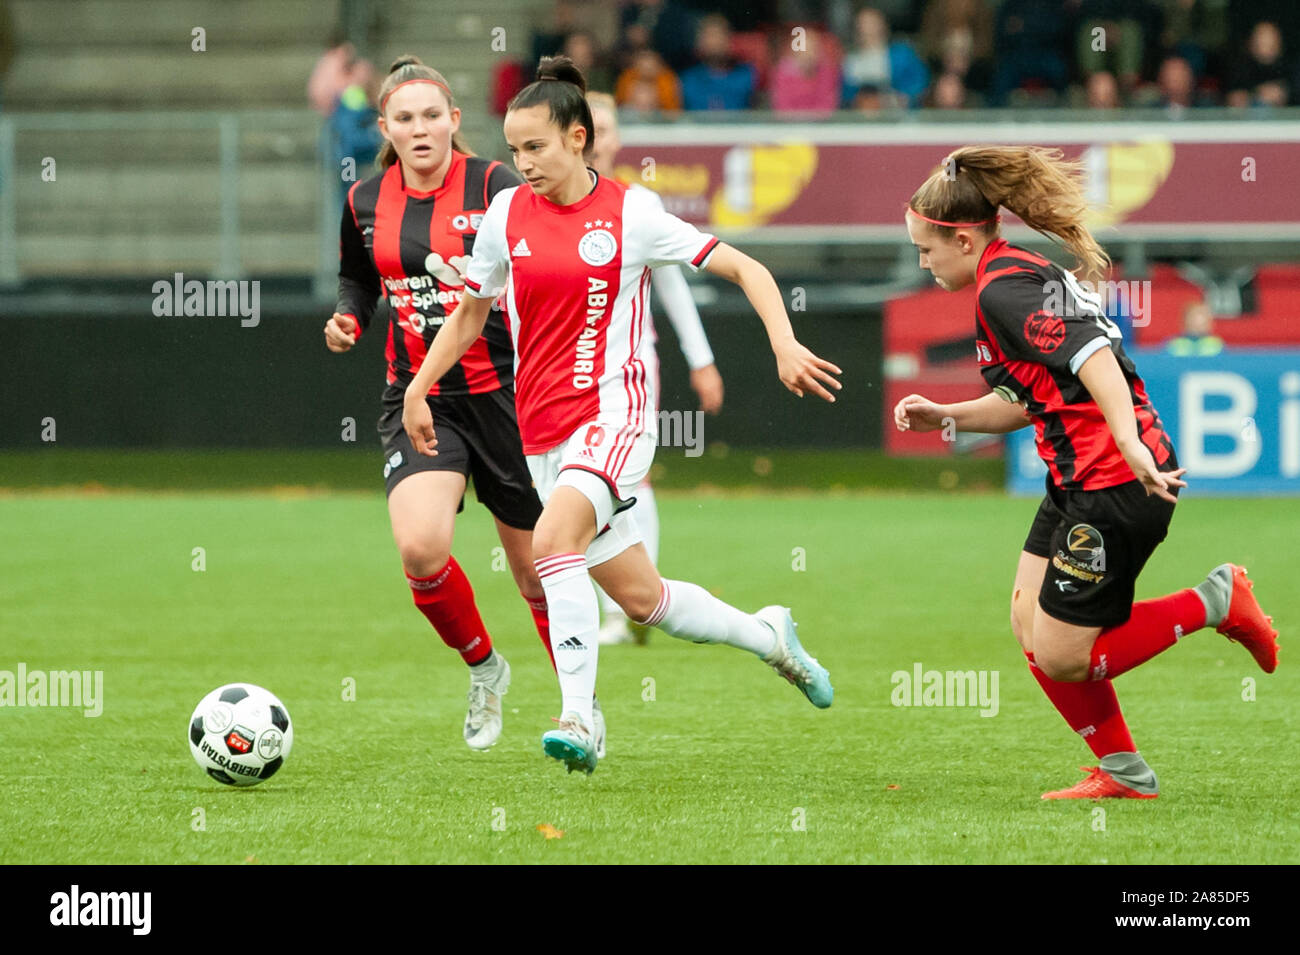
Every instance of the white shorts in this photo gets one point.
(605, 464)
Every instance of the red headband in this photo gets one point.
(421, 79)
(954, 225)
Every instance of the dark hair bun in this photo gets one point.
(561, 68)
(406, 59)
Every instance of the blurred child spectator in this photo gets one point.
(342, 88)
(1261, 76)
(1103, 91)
(1176, 84)
(948, 92)
(1198, 339)
(336, 70)
(807, 79)
(717, 81)
(642, 98)
(882, 66)
(1030, 39)
(957, 37)
(648, 70)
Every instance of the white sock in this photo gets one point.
(690, 612)
(575, 618)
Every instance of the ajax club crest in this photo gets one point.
(598, 247)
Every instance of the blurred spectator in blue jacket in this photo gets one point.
(717, 81)
(875, 65)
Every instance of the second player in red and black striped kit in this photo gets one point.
(407, 235)
(1052, 358)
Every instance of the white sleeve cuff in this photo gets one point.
(1087, 351)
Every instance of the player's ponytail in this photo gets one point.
(406, 68)
(561, 86)
(1037, 184)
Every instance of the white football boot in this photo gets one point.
(487, 684)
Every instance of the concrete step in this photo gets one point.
(134, 24)
(155, 79)
(159, 254)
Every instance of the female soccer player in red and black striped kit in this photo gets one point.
(407, 234)
(574, 251)
(1053, 359)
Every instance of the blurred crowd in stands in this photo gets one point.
(669, 56)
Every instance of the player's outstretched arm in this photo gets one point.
(800, 369)
(461, 329)
(1102, 376)
(989, 414)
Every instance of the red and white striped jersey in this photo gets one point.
(577, 282)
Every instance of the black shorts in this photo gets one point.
(1096, 543)
(478, 436)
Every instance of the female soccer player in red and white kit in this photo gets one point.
(574, 251)
(1053, 359)
(669, 286)
(408, 233)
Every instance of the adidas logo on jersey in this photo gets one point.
(573, 643)
(521, 248)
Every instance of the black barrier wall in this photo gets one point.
(137, 380)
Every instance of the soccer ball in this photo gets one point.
(240, 734)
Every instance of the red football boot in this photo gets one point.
(1099, 785)
(1245, 622)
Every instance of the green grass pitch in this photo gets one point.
(712, 758)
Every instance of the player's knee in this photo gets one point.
(1061, 667)
(421, 558)
(639, 600)
(529, 584)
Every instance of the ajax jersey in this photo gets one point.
(577, 286)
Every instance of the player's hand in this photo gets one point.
(1155, 481)
(340, 333)
(417, 420)
(918, 413)
(707, 383)
(801, 370)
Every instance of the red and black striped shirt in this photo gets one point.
(1035, 327)
(412, 247)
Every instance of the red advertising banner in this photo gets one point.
(851, 182)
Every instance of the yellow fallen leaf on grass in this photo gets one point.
(550, 832)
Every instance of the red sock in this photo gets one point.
(447, 599)
(1090, 709)
(1155, 625)
(543, 624)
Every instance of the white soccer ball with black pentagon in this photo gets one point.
(240, 734)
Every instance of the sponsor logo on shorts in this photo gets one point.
(1068, 565)
(1087, 549)
(394, 462)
